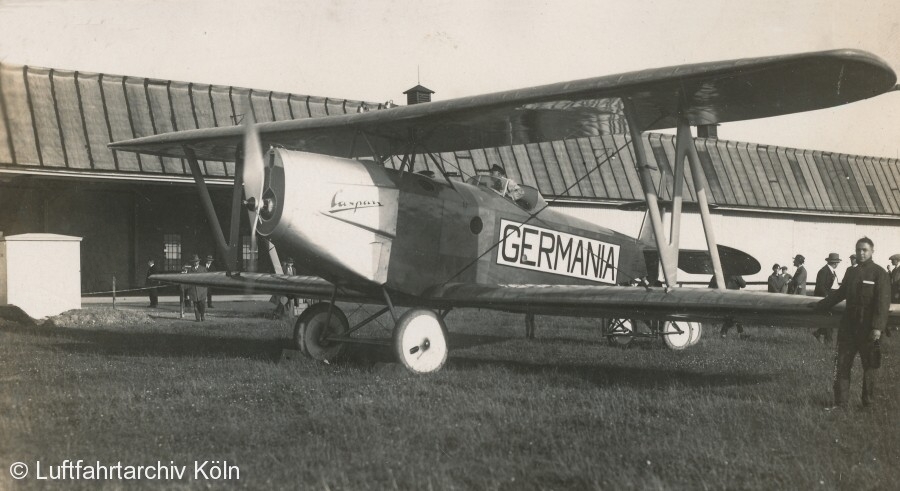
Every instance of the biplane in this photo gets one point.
(319, 190)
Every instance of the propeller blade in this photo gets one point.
(254, 169)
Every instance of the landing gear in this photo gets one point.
(677, 335)
(311, 334)
(619, 332)
(420, 341)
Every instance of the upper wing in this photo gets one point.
(704, 93)
(699, 304)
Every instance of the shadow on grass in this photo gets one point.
(163, 344)
(605, 374)
(214, 345)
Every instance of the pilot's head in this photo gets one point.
(497, 171)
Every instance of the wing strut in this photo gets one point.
(684, 148)
(225, 250)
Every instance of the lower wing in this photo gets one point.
(692, 304)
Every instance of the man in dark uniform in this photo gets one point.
(154, 296)
(825, 280)
(198, 293)
(867, 290)
(209, 268)
(732, 282)
(798, 282)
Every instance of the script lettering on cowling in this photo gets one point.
(540, 249)
(342, 201)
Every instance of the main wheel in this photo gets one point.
(677, 335)
(696, 333)
(420, 340)
(310, 332)
(618, 332)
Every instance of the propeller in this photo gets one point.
(254, 170)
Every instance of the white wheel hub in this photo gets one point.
(420, 340)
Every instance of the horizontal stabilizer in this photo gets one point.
(733, 262)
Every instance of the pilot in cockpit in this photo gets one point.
(505, 185)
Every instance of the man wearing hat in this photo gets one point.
(825, 279)
(895, 278)
(198, 293)
(798, 282)
(209, 268)
(867, 292)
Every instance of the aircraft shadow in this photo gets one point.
(167, 344)
(614, 375)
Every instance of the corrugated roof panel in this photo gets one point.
(281, 110)
(865, 184)
(597, 166)
(817, 186)
(97, 133)
(634, 180)
(573, 155)
(555, 170)
(222, 106)
(849, 181)
(718, 192)
(580, 149)
(606, 159)
(754, 163)
(116, 115)
(260, 105)
(746, 176)
(558, 151)
(523, 163)
(789, 184)
(618, 163)
(183, 106)
(70, 125)
(877, 192)
(854, 182)
(157, 94)
(20, 136)
(541, 168)
(891, 173)
(45, 121)
(734, 181)
(299, 106)
(801, 191)
(479, 162)
(833, 181)
(781, 187)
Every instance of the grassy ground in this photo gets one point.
(564, 411)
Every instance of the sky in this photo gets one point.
(374, 50)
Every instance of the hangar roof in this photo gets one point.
(58, 122)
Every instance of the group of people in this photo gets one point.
(780, 281)
(197, 298)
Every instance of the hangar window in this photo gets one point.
(248, 254)
(172, 249)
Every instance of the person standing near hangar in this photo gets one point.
(776, 281)
(798, 282)
(867, 290)
(826, 278)
(198, 293)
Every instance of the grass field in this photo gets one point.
(564, 411)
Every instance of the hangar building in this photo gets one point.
(57, 176)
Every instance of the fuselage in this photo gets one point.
(358, 223)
